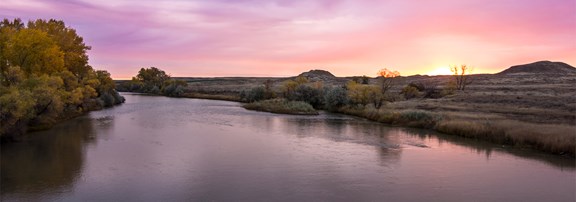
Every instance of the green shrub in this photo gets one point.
(335, 98)
(253, 95)
(173, 88)
(307, 94)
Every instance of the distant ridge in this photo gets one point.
(541, 67)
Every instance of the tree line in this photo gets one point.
(45, 76)
(154, 81)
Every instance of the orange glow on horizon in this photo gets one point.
(445, 70)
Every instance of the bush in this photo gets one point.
(307, 94)
(173, 90)
(106, 99)
(410, 92)
(154, 90)
(335, 98)
(433, 92)
(110, 98)
(418, 85)
(253, 95)
(417, 89)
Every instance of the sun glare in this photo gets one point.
(440, 71)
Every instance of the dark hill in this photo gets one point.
(317, 74)
(541, 67)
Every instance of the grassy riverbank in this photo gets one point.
(282, 106)
(552, 138)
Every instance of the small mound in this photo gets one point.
(317, 73)
(541, 67)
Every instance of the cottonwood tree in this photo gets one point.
(45, 76)
(152, 78)
(69, 42)
(461, 76)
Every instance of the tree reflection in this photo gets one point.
(47, 161)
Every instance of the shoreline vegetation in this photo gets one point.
(45, 77)
(282, 106)
(522, 110)
(551, 138)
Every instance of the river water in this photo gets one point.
(169, 149)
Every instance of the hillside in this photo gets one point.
(317, 74)
(541, 67)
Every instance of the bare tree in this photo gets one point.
(386, 77)
(461, 76)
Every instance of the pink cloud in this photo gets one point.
(282, 37)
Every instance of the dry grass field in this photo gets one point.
(534, 98)
(524, 97)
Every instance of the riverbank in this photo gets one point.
(282, 106)
(551, 138)
(22, 128)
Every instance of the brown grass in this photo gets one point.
(552, 138)
(282, 106)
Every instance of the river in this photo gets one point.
(169, 149)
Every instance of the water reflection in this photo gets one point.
(165, 149)
(390, 141)
(47, 161)
(488, 149)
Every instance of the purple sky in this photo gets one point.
(286, 37)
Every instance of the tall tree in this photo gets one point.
(153, 79)
(7, 29)
(34, 52)
(72, 45)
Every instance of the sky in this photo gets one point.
(211, 38)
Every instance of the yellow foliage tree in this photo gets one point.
(45, 76)
(364, 94)
(34, 52)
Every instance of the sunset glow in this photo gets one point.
(286, 37)
(440, 71)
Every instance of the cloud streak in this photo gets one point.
(280, 38)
